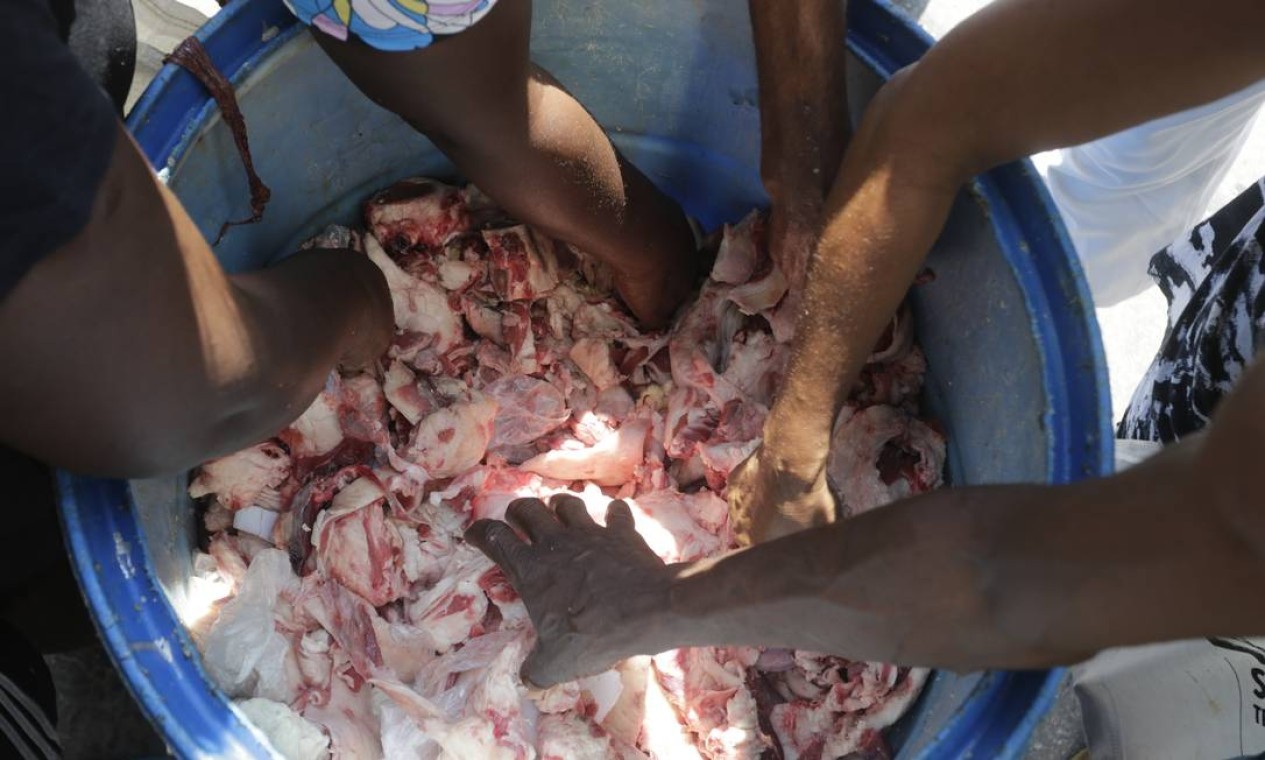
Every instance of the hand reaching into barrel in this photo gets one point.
(594, 592)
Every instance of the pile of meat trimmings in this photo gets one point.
(358, 624)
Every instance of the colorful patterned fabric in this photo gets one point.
(393, 25)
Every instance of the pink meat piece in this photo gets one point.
(230, 562)
(317, 431)
(249, 477)
(690, 421)
(349, 620)
(739, 256)
(358, 547)
(519, 337)
(503, 486)
(755, 365)
(611, 462)
(720, 459)
(561, 306)
(450, 611)
(447, 679)
(420, 307)
(483, 317)
(417, 212)
(761, 295)
(783, 319)
(740, 422)
(457, 276)
(666, 520)
(362, 413)
(893, 383)
(520, 271)
(491, 725)
(494, 362)
(348, 714)
(400, 387)
(593, 357)
(880, 454)
(614, 404)
(595, 417)
(708, 688)
(603, 321)
(405, 648)
(526, 409)
(847, 716)
(571, 736)
(698, 344)
(451, 440)
(217, 517)
(419, 263)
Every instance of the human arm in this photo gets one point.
(1015, 576)
(1019, 77)
(130, 352)
(803, 117)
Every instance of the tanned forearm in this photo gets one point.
(1006, 576)
(1018, 77)
(132, 353)
(803, 101)
(987, 577)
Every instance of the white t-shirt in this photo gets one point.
(1126, 196)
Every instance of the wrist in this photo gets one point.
(797, 442)
(654, 623)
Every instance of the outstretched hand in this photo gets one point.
(594, 593)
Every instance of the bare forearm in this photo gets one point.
(1020, 76)
(133, 353)
(803, 99)
(1011, 576)
(302, 316)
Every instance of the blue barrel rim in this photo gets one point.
(153, 650)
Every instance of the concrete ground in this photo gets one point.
(93, 702)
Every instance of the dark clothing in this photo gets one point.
(65, 70)
(59, 126)
(102, 36)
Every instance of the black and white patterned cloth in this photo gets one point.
(1214, 281)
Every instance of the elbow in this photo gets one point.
(921, 133)
(164, 437)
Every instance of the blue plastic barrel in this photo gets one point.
(1017, 373)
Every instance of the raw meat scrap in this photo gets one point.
(516, 372)
(417, 212)
(249, 477)
(358, 547)
(520, 269)
(527, 408)
(453, 439)
(420, 307)
(610, 462)
(880, 454)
